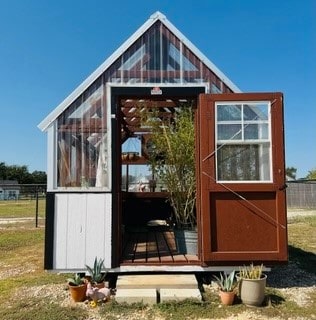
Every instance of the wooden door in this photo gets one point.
(241, 178)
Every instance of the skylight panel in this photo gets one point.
(133, 59)
(176, 55)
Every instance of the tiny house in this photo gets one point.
(102, 196)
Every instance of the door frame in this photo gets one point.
(113, 92)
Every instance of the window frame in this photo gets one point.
(242, 141)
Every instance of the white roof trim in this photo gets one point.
(116, 54)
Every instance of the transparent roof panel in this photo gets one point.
(158, 56)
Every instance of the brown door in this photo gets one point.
(241, 182)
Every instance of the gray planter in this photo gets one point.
(186, 241)
(252, 291)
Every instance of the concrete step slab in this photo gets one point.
(187, 281)
(171, 294)
(150, 289)
(145, 296)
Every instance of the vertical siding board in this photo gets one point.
(107, 228)
(95, 238)
(61, 222)
(76, 231)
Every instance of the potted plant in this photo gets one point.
(172, 157)
(252, 284)
(227, 284)
(77, 288)
(96, 275)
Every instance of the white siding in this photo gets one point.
(82, 230)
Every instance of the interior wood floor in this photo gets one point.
(153, 245)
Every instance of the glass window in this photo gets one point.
(243, 142)
(82, 142)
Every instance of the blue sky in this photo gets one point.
(47, 48)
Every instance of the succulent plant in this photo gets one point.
(227, 282)
(96, 273)
(76, 280)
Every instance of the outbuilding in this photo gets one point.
(9, 190)
(101, 197)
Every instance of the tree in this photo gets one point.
(311, 174)
(39, 177)
(291, 172)
(3, 170)
(21, 174)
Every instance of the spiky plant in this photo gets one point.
(96, 273)
(251, 272)
(76, 280)
(227, 282)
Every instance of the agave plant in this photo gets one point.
(96, 273)
(226, 283)
(76, 280)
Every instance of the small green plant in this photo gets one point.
(227, 282)
(251, 272)
(76, 280)
(96, 273)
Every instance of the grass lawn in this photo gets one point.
(28, 292)
(21, 208)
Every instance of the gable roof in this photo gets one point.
(108, 62)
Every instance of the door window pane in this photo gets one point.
(229, 132)
(229, 112)
(243, 142)
(256, 131)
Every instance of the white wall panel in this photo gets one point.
(76, 231)
(82, 230)
(60, 230)
(98, 239)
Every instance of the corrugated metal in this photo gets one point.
(82, 230)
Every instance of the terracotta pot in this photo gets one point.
(78, 293)
(227, 297)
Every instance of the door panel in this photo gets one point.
(241, 178)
